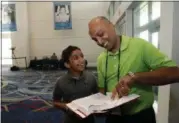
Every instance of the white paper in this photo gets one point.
(99, 103)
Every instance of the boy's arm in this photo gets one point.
(60, 105)
(101, 90)
(95, 88)
(58, 98)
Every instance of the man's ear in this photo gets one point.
(67, 65)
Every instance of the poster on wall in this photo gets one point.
(62, 15)
(8, 17)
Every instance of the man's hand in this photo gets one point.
(123, 86)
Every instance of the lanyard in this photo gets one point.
(106, 69)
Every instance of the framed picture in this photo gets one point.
(62, 15)
(8, 17)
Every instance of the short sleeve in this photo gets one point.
(154, 58)
(99, 73)
(57, 93)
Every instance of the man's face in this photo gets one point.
(76, 61)
(103, 33)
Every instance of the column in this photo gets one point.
(168, 96)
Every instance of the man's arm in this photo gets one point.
(164, 71)
(162, 76)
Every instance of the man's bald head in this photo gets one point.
(102, 31)
(99, 19)
(98, 22)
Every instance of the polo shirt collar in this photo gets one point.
(124, 45)
(70, 76)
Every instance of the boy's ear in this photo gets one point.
(67, 65)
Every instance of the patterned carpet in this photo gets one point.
(26, 96)
(32, 110)
(24, 84)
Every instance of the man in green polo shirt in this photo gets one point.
(130, 65)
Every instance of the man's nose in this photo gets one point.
(99, 41)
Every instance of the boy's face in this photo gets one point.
(76, 61)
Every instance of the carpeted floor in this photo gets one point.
(24, 84)
(32, 110)
(26, 96)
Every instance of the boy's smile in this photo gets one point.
(76, 61)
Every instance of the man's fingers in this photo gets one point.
(118, 91)
(125, 93)
(123, 90)
(127, 86)
(127, 89)
(114, 92)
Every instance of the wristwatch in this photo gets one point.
(131, 74)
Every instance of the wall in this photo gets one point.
(165, 41)
(20, 38)
(174, 89)
(120, 11)
(168, 38)
(45, 40)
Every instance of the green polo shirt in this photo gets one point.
(136, 55)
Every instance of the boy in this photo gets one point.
(76, 83)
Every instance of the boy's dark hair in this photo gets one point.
(66, 53)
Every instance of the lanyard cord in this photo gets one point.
(106, 69)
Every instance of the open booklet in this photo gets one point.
(98, 103)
